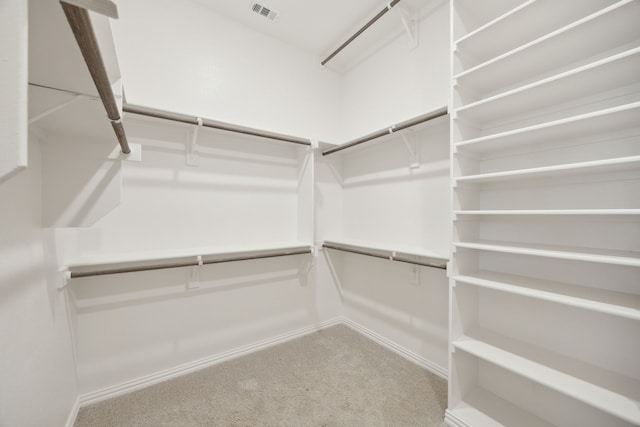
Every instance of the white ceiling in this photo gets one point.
(316, 27)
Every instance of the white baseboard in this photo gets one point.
(398, 349)
(453, 421)
(73, 414)
(167, 374)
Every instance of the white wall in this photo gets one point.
(38, 382)
(385, 202)
(396, 83)
(190, 60)
(244, 193)
(131, 327)
(13, 87)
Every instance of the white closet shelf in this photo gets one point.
(571, 128)
(418, 122)
(601, 76)
(141, 261)
(501, 23)
(615, 257)
(616, 26)
(550, 212)
(614, 303)
(528, 21)
(483, 13)
(391, 252)
(592, 167)
(483, 408)
(608, 391)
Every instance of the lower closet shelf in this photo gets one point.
(616, 257)
(407, 255)
(483, 408)
(548, 212)
(604, 301)
(608, 391)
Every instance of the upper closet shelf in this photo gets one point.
(528, 21)
(571, 128)
(76, 57)
(213, 124)
(407, 255)
(616, 26)
(423, 118)
(631, 163)
(605, 75)
(368, 24)
(127, 263)
(608, 391)
(478, 14)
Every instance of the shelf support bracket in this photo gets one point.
(410, 23)
(414, 161)
(335, 172)
(334, 273)
(415, 275)
(55, 108)
(192, 146)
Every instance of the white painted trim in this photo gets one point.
(398, 349)
(453, 421)
(73, 414)
(187, 368)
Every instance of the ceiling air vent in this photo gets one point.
(263, 11)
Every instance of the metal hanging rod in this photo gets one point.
(361, 30)
(390, 257)
(393, 129)
(82, 28)
(166, 115)
(192, 261)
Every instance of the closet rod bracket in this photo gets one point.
(64, 276)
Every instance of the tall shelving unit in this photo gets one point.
(545, 266)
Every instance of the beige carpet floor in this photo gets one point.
(335, 377)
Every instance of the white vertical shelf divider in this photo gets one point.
(545, 258)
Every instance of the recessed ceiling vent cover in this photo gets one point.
(264, 11)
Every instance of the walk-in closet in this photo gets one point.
(419, 213)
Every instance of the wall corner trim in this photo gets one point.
(73, 414)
